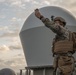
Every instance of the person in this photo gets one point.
(62, 44)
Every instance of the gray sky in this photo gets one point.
(13, 14)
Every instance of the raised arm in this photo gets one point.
(46, 21)
(58, 29)
(38, 14)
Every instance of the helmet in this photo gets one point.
(60, 19)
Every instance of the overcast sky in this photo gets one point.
(13, 14)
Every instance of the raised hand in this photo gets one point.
(37, 13)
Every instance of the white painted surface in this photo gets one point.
(37, 39)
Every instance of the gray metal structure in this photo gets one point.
(36, 39)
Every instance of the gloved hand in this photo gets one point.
(38, 14)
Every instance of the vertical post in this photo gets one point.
(20, 72)
(29, 72)
(26, 72)
(44, 71)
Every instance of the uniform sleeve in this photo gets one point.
(47, 22)
(55, 28)
(51, 24)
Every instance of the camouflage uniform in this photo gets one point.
(62, 34)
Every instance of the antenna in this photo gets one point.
(52, 17)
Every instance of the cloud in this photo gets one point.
(1, 60)
(35, 2)
(15, 43)
(2, 28)
(27, 0)
(4, 48)
(15, 47)
(13, 39)
(17, 3)
(46, 2)
(14, 19)
(10, 30)
(14, 63)
(9, 34)
(2, 1)
(18, 61)
(22, 3)
(2, 16)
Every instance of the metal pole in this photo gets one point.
(20, 72)
(44, 71)
(26, 73)
(29, 72)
